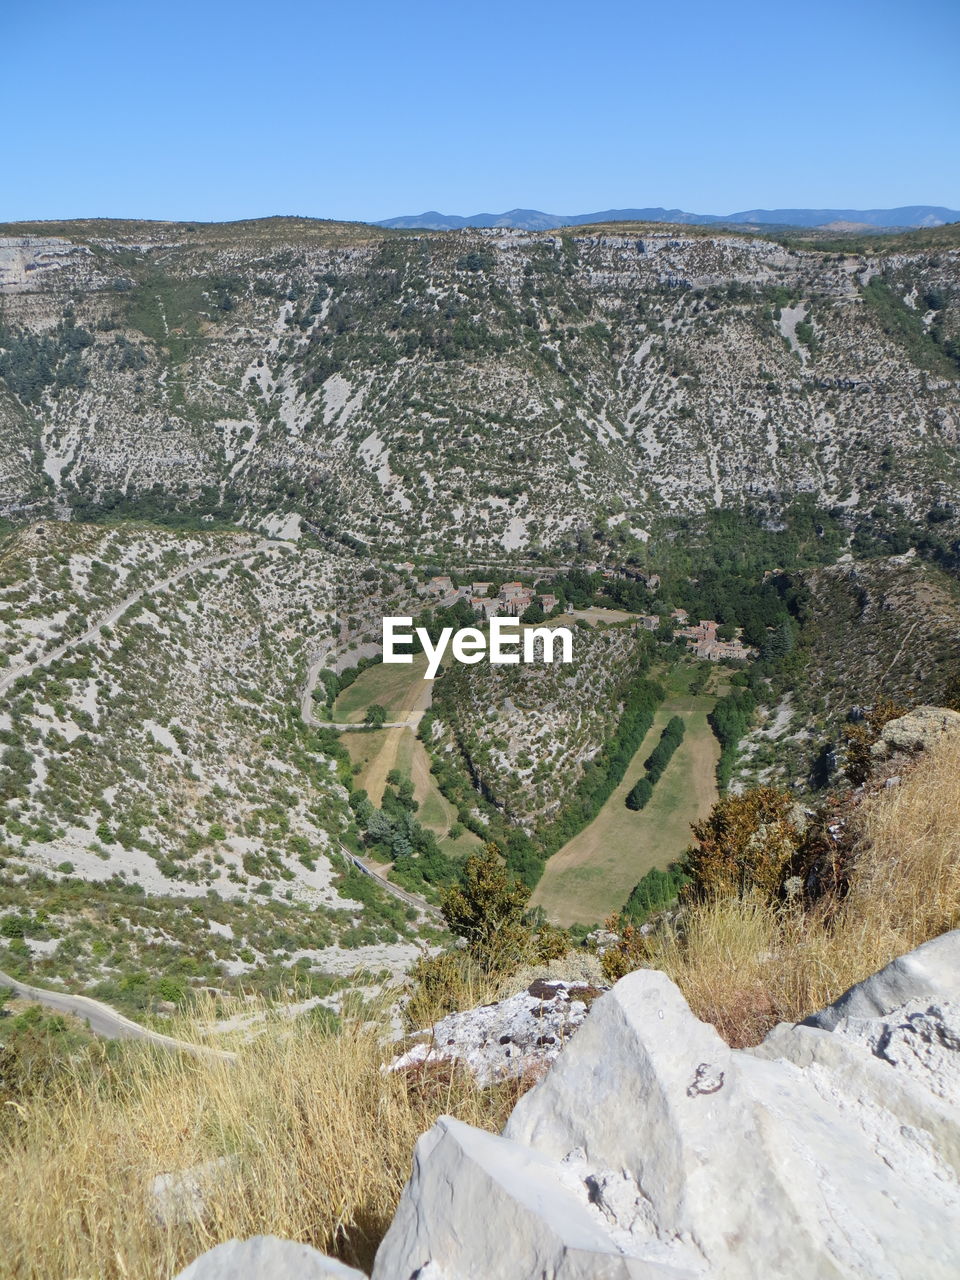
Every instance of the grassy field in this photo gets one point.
(381, 750)
(404, 693)
(593, 874)
(435, 812)
(595, 614)
(396, 686)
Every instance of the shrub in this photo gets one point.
(639, 793)
(656, 890)
(858, 737)
(746, 843)
(486, 909)
(662, 753)
(729, 720)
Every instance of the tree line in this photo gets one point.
(655, 763)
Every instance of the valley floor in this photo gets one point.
(592, 875)
(406, 696)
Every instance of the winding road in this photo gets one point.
(411, 899)
(311, 721)
(105, 1021)
(101, 1019)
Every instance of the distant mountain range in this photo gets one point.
(915, 215)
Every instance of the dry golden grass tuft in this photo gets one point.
(744, 964)
(319, 1142)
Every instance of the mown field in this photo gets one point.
(593, 874)
(398, 687)
(405, 694)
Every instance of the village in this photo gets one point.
(514, 599)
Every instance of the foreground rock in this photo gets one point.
(266, 1258)
(515, 1038)
(931, 972)
(652, 1149)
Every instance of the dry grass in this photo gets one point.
(319, 1140)
(744, 964)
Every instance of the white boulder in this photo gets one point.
(516, 1037)
(931, 972)
(266, 1258)
(918, 730)
(653, 1149)
(479, 1207)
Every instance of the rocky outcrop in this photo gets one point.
(266, 1258)
(515, 1038)
(931, 972)
(182, 1196)
(653, 1149)
(918, 730)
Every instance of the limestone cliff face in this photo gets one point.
(653, 1149)
(495, 390)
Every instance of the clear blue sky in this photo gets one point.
(210, 110)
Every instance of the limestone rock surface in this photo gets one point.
(652, 1149)
(931, 972)
(919, 730)
(512, 1038)
(266, 1258)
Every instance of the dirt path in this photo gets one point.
(415, 704)
(424, 788)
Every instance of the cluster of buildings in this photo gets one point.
(513, 598)
(702, 638)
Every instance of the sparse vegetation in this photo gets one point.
(314, 1137)
(747, 958)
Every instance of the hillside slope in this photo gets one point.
(475, 391)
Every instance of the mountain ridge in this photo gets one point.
(536, 220)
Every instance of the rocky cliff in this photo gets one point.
(493, 391)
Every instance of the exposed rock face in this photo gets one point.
(266, 1258)
(349, 373)
(918, 730)
(931, 972)
(653, 1149)
(514, 1212)
(515, 1037)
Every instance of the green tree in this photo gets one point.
(639, 794)
(486, 909)
(376, 715)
